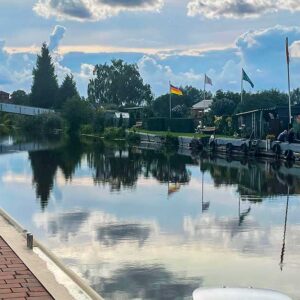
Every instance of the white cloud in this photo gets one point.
(255, 50)
(92, 10)
(213, 9)
(56, 36)
(158, 74)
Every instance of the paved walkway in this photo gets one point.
(23, 274)
(16, 280)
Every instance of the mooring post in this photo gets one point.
(29, 240)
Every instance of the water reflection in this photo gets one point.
(152, 282)
(156, 225)
(118, 168)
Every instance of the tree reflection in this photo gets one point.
(45, 164)
(44, 167)
(254, 179)
(120, 167)
(115, 166)
(166, 167)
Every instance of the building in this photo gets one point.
(112, 118)
(261, 122)
(200, 108)
(4, 97)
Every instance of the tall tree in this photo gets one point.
(76, 112)
(118, 83)
(20, 97)
(45, 87)
(66, 91)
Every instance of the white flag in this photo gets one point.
(208, 80)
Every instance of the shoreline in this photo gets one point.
(61, 282)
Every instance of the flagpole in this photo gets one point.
(170, 101)
(242, 87)
(204, 85)
(289, 81)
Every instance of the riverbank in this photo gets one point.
(229, 145)
(32, 273)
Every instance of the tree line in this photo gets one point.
(118, 84)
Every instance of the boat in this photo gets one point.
(237, 294)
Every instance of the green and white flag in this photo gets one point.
(246, 78)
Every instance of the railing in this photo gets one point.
(23, 110)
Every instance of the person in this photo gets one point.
(282, 136)
(291, 135)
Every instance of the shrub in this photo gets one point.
(99, 121)
(171, 141)
(113, 133)
(3, 130)
(133, 138)
(41, 124)
(156, 124)
(77, 112)
(51, 122)
(86, 129)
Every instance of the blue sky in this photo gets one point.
(177, 40)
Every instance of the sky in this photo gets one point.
(169, 40)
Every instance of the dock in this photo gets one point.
(35, 274)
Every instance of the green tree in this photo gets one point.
(263, 99)
(45, 87)
(194, 95)
(223, 107)
(67, 90)
(20, 97)
(295, 96)
(76, 112)
(120, 84)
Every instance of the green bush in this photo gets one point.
(133, 138)
(182, 125)
(86, 129)
(31, 125)
(171, 142)
(156, 124)
(3, 130)
(76, 112)
(51, 123)
(99, 121)
(41, 124)
(113, 133)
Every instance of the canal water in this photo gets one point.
(140, 223)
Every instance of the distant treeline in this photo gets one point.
(118, 84)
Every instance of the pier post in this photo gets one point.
(29, 241)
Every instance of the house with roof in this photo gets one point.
(112, 118)
(4, 97)
(264, 121)
(200, 108)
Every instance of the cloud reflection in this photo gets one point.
(146, 282)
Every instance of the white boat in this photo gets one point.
(237, 294)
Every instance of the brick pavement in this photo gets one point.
(16, 281)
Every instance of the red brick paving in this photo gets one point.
(16, 281)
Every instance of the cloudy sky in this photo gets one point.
(177, 40)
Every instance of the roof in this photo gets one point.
(255, 110)
(2, 92)
(204, 104)
(134, 108)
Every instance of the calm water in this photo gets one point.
(146, 224)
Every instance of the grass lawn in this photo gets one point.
(177, 134)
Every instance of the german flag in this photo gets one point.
(175, 90)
